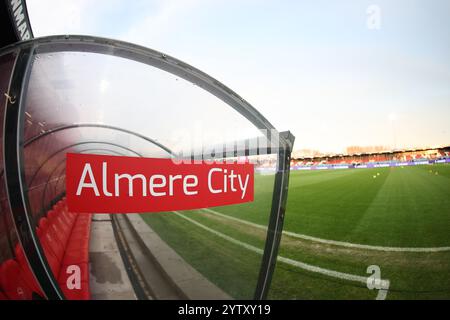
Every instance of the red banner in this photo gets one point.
(112, 184)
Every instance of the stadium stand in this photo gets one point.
(64, 237)
(374, 158)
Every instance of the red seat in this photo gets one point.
(64, 237)
(81, 225)
(62, 228)
(69, 217)
(80, 232)
(63, 205)
(26, 271)
(57, 207)
(48, 235)
(59, 231)
(77, 253)
(67, 220)
(3, 296)
(82, 228)
(43, 224)
(77, 249)
(13, 283)
(49, 254)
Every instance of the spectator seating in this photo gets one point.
(64, 237)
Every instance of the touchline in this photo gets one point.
(159, 185)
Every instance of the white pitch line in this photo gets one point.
(333, 242)
(331, 273)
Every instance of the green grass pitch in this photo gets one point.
(383, 207)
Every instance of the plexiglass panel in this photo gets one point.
(17, 281)
(82, 102)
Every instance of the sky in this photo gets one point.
(335, 73)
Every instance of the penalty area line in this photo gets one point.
(384, 284)
(334, 242)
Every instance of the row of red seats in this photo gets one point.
(64, 237)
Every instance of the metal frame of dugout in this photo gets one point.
(14, 143)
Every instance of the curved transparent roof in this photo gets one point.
(92, 88)
(100, 96)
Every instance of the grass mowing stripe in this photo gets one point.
(332, 208)
(333, 242)
(295, 263)
(410, 271)
(410, 210)
(383, 207)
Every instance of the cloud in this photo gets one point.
(161, 18)
(316, 74)
(49, 17)
(54, 17)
